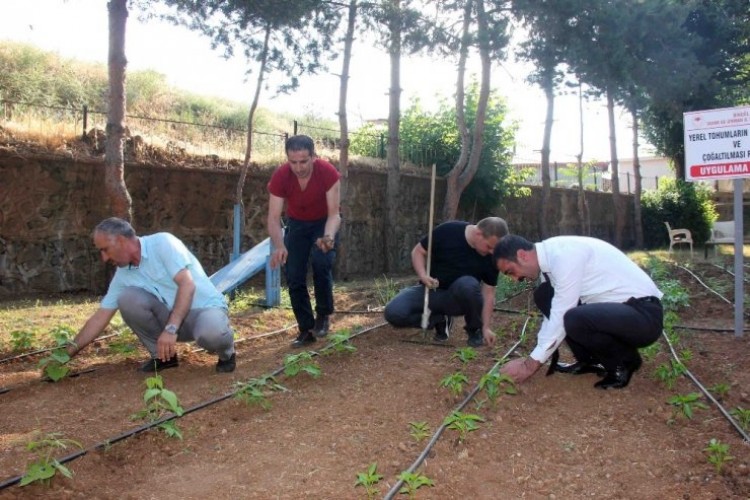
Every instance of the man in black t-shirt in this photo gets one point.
(462, 280)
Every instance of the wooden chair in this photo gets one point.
(677, 236)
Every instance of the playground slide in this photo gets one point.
(243, 268)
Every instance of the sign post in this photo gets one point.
(717, 146)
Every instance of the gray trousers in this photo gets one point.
(147, 316)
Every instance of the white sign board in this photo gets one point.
(717, 144)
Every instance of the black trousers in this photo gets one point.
(607, 333)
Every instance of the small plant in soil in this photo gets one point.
(687, 403)
(650, 352)
(419, 430)
(465, 354)
(718, 454)
(454, 382)
(669, 373)
(159, 401)
(55, 365)
(369, 479)
(463, 423)
(341, 342)
(719, 390)
(44, 468)
(302, 362)
(253, 392)
(62, 334)
(494, 385)
(742, 416)
(21, 340)
(412, 482)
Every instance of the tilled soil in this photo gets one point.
(559, 437)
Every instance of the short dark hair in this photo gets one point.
(507, 248)
(114, 226)
(300, 143)
(493, 226)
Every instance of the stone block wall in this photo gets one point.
(49, 206)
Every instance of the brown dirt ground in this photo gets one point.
(558, 438)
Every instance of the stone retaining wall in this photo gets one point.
(49, 205)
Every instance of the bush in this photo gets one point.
(684, 205)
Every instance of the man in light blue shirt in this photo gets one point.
(602, 304)
(163, 295)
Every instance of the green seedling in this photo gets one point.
(21, 340)
(465, 354)
(340, 342)
(55, 366)
(412, 482)
(669, 373)
(675, 295)
(44, 468)
(464, 423)
(719, 390)
(253, 392)
(687, 403)
(158, 402)
(302, 362)
(742, 416)
(650, 352)
(454, 382)
(125, 343)
(494, 384)
(369, 479)
(718, 454)
(62, 334)
(685, 355)
(419, 430)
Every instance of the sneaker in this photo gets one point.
(157, 365)
(227, 365)
(322, 324)
(443, 329)
(475, 339)
(303, 339)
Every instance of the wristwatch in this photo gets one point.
(171, 328)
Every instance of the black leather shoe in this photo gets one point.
(475, 339)
(322, 325)
(616, 379)
(227, 365)
(579, 368)
(303, 339)
(157, 365)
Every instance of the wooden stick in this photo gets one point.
(426, 309)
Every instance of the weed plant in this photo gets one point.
(743, 417)
(719, 390)
(385, 290)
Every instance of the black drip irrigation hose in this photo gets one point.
(706, 286)
(705, 391)
(110, 441)
(421, 458)
(730, 272)
(47, 349)
(3, 390)
(701, 328)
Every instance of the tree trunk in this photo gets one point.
(544, 213)
(344, 125)
(616, 198)
(392, 230)
(581, 206)
(466, 174)
(452, 195)
(637, 223)
(114, 157)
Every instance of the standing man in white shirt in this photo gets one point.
(602, 304)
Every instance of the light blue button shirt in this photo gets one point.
(162, 257)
